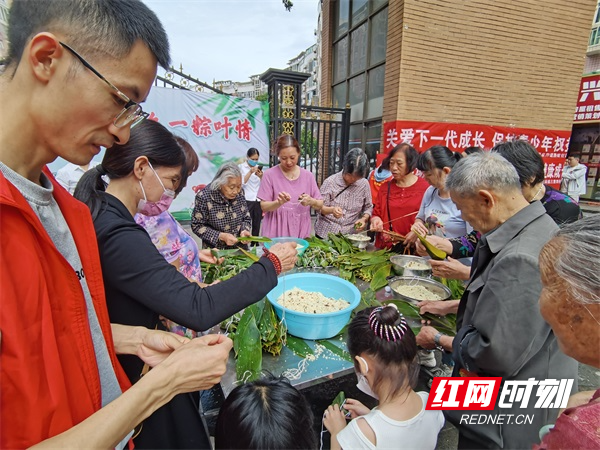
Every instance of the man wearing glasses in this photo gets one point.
(60, 383)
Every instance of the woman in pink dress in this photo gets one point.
(287, 192)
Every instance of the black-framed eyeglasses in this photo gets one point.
(132, 113)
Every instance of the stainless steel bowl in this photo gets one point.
(431, 285)
(400, 263)
(359, 240)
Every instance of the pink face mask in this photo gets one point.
(148, 208)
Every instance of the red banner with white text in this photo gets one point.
(551, 144)
(588, 102)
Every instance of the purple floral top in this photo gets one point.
(172, 241)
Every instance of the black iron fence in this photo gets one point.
(323, 139)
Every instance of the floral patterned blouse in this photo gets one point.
(214, 214)
(176, 245)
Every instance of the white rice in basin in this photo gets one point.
(310, 302)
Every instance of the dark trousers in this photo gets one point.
(256, 215)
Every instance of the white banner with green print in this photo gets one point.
(221, 128)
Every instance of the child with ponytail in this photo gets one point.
(384, 351)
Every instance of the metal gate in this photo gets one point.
(324, 139)
(323, 133)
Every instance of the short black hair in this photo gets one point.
(473, 149)
(437, 157)
(252, 151)
(525, 158)
(410, 154)
(268, 413)
(92, 27)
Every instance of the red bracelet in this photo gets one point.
(274, 259)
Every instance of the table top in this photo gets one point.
(302, 372)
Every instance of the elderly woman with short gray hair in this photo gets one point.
(347, 204)
(570, 303)
(220, 212)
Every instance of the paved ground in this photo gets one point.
(589, 207)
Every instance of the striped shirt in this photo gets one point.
(354, 199)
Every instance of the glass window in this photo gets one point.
(376, 4)
(356, 132)
(342, 17)
(360, 10)
(358, 49)
(357, 97)
(340, 60)
(339, 96)
(373, 141)
(379, 26)
(375, 92)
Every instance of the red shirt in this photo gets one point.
(402, 202)
(49, 378)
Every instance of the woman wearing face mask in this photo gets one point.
(140, 285)
(252, 174)
(173, 242)
(384, 350)
(287, 192)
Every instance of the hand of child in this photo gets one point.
(356, 408)
(334, 419)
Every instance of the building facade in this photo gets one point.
(585, 139)
(308, 62)
(497, 69)
(246, 89)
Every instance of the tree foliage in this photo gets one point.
(308, 142)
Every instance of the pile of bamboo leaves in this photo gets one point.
(258, 330)
(352, 263)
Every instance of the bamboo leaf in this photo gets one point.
(336, 350)
(408, 310)
(299, 346)
(252, 256)
(246, 239)
(380, 277)
(249, 361)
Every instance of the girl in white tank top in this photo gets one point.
(384, 350)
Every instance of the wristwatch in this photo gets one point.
(436, 341)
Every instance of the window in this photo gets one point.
(342, 17)
(595, 37)
(340, 58)
(359, 50)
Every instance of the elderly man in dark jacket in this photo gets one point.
(500, 331)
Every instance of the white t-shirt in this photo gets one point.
(251, 187)
(420, 432)
(69, 175)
